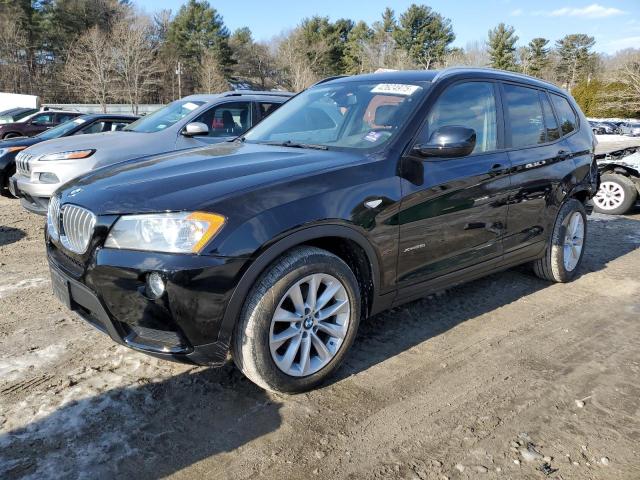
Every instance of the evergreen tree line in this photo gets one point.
(104, 51)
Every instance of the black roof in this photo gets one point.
(435, 75)
(109, 116)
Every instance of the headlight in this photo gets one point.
(4, 151)
(181, 232)
(73, 155)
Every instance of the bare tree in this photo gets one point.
(623, 90)
(90, 67)
(13, 44)
(134, 58)
(297, 62)
(211, 74)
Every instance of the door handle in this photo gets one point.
(563, 155)
(496, 168)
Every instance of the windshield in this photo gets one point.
(353, 115)
(61, 129)
(163, 118)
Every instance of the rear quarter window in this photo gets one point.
(566, 115)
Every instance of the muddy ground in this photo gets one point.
(505, 377)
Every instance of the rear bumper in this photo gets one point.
(184, 325)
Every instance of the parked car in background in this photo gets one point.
(610, 128)
(603, 128)
(15, 114)
(84, 124)
(619, 184)
(35, 123)
(359, 194)
(630, 128)
(191, 122)
(597, 128)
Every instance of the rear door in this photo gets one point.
(539, 159)
(454, 212)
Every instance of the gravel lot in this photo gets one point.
(505, 377)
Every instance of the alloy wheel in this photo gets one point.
(610, 196)
(573, 240)
(309, 325)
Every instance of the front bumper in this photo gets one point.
(107, 289)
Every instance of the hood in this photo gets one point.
(196, 179)
(19, 142)
(120, 145)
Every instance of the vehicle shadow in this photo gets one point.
(146, 431)
(9, 235)
(392, 332)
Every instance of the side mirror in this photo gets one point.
(448, 142)
(195, 129)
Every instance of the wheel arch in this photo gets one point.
(343, 241)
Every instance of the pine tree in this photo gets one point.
(575, 60)
(424, 34)
(502, 41)
(539, 56)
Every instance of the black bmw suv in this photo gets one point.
(359, 194)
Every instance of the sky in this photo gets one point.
(615, 24)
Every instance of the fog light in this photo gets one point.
(48, 177)
(155, 285)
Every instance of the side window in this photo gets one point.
(566, 115)
(228, 119)
(267, 109)
(117, 126)
(471, 105)
(553, 132)
(95, 127)
(42, 119)
(524, 116)
(63, 117)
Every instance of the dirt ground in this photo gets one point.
(505, 377)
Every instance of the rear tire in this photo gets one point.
(616, 195)
(564, 253)
(289, 339)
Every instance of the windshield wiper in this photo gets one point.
(290, 144)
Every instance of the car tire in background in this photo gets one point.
(565, 250)
(298, 321)
(616, 195)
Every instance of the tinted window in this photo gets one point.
(95, 127)
(471, 105)
(267, 109)
(524, 116)
(227, 120)
(65, 117)
(42, 119)
(565, 113)
(553, 133)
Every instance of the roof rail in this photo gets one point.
(448, 70)
(328, 79)
(275, 93)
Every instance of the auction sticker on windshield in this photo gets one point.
(190, 106)
(396, 88)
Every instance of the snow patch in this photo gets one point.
(12, 368)
(8, 289)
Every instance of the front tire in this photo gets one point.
(564, 253)
(616, 195)
(298, 322)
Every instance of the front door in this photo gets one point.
(454, 210)
(225, 121)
